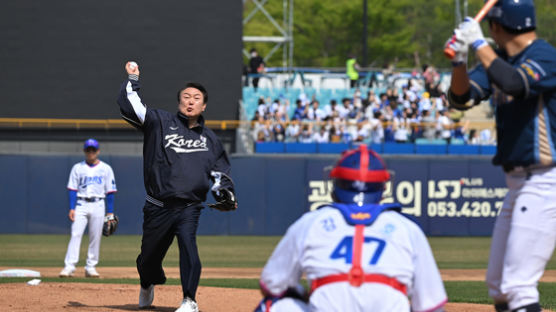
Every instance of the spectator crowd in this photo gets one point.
(417, 111)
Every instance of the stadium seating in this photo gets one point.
(324, 96)
(251, 96)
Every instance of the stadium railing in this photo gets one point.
(59, 123)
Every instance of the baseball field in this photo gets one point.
(229, 280)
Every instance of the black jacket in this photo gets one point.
(177, 161)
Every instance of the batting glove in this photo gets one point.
(472, 34)
(459, 46)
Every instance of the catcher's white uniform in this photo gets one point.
(394, 256)
(91, 183)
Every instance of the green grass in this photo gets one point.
(50, 250)
(476, 292)
(215, 251)
(460, 252)
(235, 251)
(471, 292)
(466, 252)
(122, 250)
(244, 252)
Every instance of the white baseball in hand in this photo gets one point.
(132, 65)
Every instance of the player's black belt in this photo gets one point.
(171, 202)
(90, 199)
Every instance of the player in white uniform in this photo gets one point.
(357, 254)
(91, 184)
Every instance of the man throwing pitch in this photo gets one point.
(357, 254)
(520, 79)
(180, 158)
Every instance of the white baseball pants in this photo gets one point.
(91, 213)
(523, 238)
(289, 305)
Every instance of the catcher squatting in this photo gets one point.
(91, 184)
(358, 255)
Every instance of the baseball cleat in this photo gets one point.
(188, 305)
(66, 272)
(91, 273)
(146, 297)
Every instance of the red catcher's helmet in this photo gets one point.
(359, 177)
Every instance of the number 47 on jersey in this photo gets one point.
(345, 249)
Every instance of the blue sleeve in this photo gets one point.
(109, 203)
(480, 84)
(72, 195)
(538, 69)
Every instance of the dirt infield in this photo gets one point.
(173, 272)
(73, 297)
(80, 297)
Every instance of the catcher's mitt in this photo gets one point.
(110, 225)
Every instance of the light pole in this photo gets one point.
(458, 13)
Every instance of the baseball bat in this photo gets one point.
(450, 53)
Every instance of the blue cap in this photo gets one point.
(91, 143)
(514, 14)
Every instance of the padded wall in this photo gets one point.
(445, 195)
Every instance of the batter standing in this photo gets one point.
(357, 254)
(91, 186)
(180, 157)
(520, 79)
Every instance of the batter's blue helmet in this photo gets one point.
(359, 177)
(518, 15)
(91, 143)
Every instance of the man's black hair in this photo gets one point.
(197, 86)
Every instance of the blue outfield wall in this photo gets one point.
(446, 195)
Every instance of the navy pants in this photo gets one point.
(160, 225)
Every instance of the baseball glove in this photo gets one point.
(223, 192)
(110, 225)
(225, 200)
